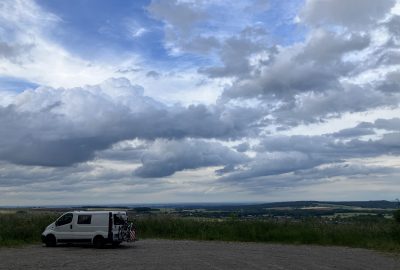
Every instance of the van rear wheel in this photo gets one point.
(98, 242)
(50, 241)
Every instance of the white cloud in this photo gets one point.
(45, 62)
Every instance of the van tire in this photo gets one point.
(50, 241)
(98, 241)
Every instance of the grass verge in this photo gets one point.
(384, 236)
(17, 229)
(22, 228)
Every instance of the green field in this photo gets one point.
(379, 234)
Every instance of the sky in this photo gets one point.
(169, 101)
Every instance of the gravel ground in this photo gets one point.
(168, 254)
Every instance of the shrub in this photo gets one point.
(396, 215)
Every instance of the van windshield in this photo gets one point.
(65, 219)
(119, 219)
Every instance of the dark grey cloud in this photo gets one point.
(387, 57)
(164, 158)
(267, 164)
(14, 52)
(312, 176)
(326, 47)
(391, 84)
(329, 148)
(131, 151)
(393, 25)
(181, 18)
(198, 27)
(181, 15)
(298, 143)
(279, 155)
(85, 178)
(367, 128)
(234, 53)
(60, 127)
(243, 147)
(357, 14)
(315, 66)
(276, 155)
(392, 124)
(353, 132)
(344, 170)
(153, 74)
(20, 175)
(317, 107)
(199, 44)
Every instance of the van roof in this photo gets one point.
(98, 212)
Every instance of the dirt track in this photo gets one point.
(167, 254)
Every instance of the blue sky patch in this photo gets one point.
(15, 84)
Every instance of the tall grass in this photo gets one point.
(23, 228)
(372, 235)
(18, 229)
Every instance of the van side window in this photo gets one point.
(65, 219)
(84, 219)
(118, 220)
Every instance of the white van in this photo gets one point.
(96, 227)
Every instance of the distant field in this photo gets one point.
(8, 211)
(383, 234)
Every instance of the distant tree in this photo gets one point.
(233, 217)
(396, 215)
(143, 209)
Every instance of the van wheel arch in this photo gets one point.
(98, 241)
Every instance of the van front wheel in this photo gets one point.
(98, 242)
(50, 241)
